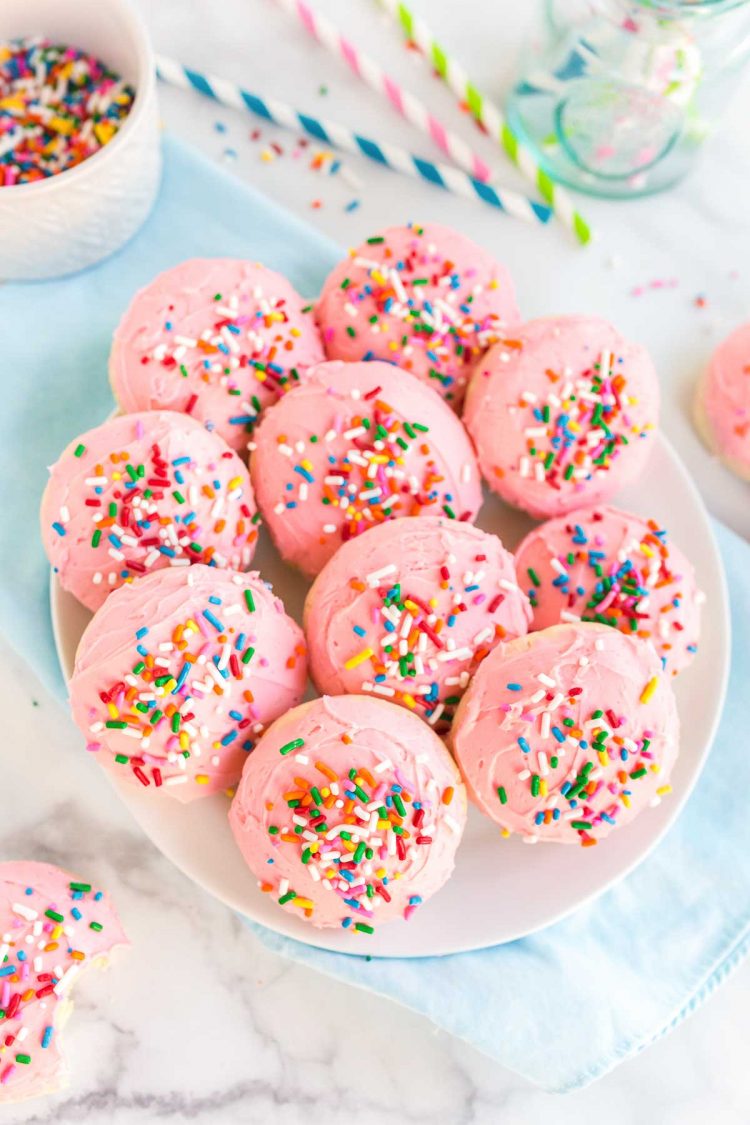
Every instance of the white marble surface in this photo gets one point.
(198, 1022)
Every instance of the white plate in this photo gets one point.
(501, 889)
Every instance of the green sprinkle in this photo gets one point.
(400, 809)
(533, 576)
(293, 745)
(250, 601)
(97, 926)
(287, 897)
(79, 450)
(502, 795)
(247, 656)
(535, 785)
(25, 1059)
(54, 916)
(639, 772)
(362, 926)
(84, 888)
(580, 824)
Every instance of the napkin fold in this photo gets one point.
(561, 1007)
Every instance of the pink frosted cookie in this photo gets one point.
(52, 926)
(610, 566)
(722, 404)
(349, 812)
(424, 297)
(568, 733)
(355, 445)
(142, 492)
(217, 338)
(562, 415)
(410, 610)
(177, 674)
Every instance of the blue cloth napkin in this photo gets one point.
(561, 1007)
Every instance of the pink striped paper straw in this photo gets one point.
(404, 102)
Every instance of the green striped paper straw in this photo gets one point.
(489, 114)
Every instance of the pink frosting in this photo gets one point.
(142, 492)
(606, 565)
(46, 941)
(354, 445)
(726, 399)
(424, 297)
(562, 415)
(299, 777)
(213, 648)
(218, 338)
(409, 611)
(566, 734)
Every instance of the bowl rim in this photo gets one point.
(145, 85)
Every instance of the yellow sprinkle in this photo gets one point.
(409, 700)
(235, 482)
(202, 778)
(649, 689)
(663, 790)
(360, 658)
(114, 713)
(104, 132)
(303, 903)
(505, 833)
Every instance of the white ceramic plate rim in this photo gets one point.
(397, 939)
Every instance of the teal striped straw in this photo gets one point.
(340, 136)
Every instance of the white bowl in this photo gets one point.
(72, 220)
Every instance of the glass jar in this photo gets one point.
(615, 96)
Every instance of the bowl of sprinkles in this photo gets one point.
(79, 152)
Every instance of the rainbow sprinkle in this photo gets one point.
(58, 106)
(355, 832)
(579, 428)
(410, 639)
(619, 588)
(244, 351)
(43, 946)
(386, 469)
(578, 766)
(156, 705)
(416, 315)
(144, 513)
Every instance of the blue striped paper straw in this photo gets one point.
(340, 136)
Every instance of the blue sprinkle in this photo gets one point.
(59, 528)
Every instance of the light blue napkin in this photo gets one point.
(561, 1007)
